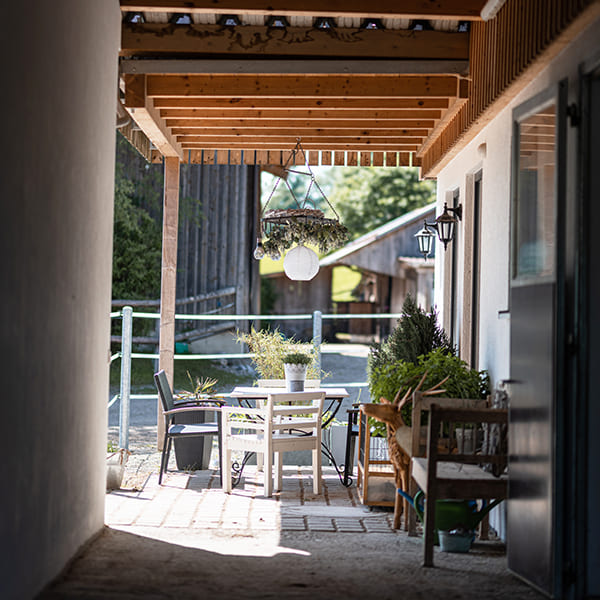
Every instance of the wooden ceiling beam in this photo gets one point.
(412, 118)
(405, 127)
(290, 65)
(407, 9)
(315, 148)
(308, 86)
(284, 148)
(409, 137)
(143, 112)
(307, 144)
(252, 41)
(290, 104)
(271, 158)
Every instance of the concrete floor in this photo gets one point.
(186, 539)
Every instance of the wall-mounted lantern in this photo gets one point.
(444, 228)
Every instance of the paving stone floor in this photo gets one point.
(195, 500)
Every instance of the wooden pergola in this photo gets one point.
(240, 82)
(372, 84)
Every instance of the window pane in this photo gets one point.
(535, 207)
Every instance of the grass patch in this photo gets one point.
(344, 280)
(142, 371)
(226, 377)
(268, 266)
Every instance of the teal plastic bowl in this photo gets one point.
(454, 542)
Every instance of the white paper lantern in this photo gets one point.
(301, 263)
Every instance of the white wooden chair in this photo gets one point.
(286, 422)
(309, 384)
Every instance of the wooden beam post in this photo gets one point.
(168, 279)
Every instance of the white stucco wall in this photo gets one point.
(494, 328)
(59, 66)
(494, 340)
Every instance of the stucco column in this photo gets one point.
(60, 78)
(168, 279)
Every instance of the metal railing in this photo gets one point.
(127, 314)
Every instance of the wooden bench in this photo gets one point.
(414, 439)
(455, 474)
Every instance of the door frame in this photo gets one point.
(558, 94)
(577, 547)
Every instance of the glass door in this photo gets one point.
(535, 238)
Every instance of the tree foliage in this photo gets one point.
(299, 184)
(136, 244)
(416, 334)
(367, 197)
(418, 344)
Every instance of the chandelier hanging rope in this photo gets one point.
(303, 225)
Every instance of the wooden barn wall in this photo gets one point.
(501, 50)
(216, 235)
(301, 297)
(381, 256)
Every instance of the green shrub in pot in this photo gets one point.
(418, 345)
(386, 380)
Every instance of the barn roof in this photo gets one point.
(395, 226)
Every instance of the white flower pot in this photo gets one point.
(115, 468)
(295, 375)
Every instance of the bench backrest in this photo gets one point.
(421, 404)
(446, 419)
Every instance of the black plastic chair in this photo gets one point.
(172, 408)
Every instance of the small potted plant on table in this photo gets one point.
(295, 365)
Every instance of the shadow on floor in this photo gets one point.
(121, 564)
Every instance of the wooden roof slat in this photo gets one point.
(409, 9)
(286, 138)
(142, 111)
(312, 86)
(274, 159)
(416, 135)
(291, 103)
(284, 145)
(406, 127)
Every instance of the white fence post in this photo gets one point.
(125, 392)
(317, 336)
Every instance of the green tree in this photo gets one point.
(416, 334)
(299, 184)
(136, 245)
(367, 197)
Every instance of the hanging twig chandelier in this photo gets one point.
(305, 224)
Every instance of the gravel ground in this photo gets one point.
(181, 562)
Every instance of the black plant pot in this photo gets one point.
(193, 454)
